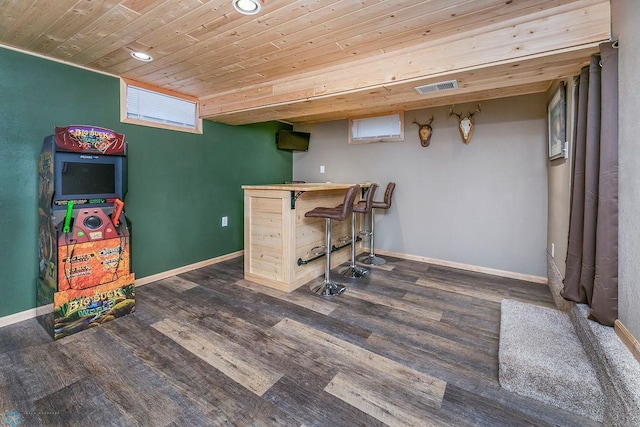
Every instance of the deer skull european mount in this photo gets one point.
(424, 132)
(465, 123)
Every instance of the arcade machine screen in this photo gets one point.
(88, 178)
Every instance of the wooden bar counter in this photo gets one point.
(277, 234)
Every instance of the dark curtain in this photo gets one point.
(592, 254)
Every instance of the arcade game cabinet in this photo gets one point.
(84, 262)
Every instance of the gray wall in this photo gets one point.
(625, 17)
(559, 173)
(483, 204)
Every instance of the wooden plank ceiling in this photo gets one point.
(306, 61)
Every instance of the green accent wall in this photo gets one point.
(180, 184)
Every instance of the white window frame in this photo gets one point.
(356, 122)
(125, 83)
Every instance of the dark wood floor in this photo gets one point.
(412, 344)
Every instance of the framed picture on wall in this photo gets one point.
(557, 122)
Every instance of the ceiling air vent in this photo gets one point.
(437, 87)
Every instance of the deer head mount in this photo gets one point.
(424, 132)
(465, 123)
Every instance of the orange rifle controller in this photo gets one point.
(117, 210)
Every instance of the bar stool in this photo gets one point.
(339, 213)
(371, 258)
(363, 207)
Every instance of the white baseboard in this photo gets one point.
(31, 313)
(17, 317)
(495, 272)
(159, 276)
(628, 339)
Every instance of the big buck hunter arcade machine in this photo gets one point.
(84, 254)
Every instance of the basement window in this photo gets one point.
(146, 105)
(389, 128)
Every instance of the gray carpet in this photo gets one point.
(541, 357)
(617, 370)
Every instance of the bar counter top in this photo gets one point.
(309, 186)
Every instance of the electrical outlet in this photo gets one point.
(322, 169)
(225, 221)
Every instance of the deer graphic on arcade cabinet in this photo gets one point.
(465, 124)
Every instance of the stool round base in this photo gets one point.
(327, 289)
(369, 259)
(354, 272)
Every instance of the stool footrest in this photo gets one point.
(322, 255)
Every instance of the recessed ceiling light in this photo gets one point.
(247, 7)
(141, 56)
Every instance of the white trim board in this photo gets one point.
(628, 339)
(18, 317)
(31, 313)
(495, 272)
(159, 276)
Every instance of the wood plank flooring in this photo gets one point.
(412, 344)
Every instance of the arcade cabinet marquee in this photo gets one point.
(84, 261)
